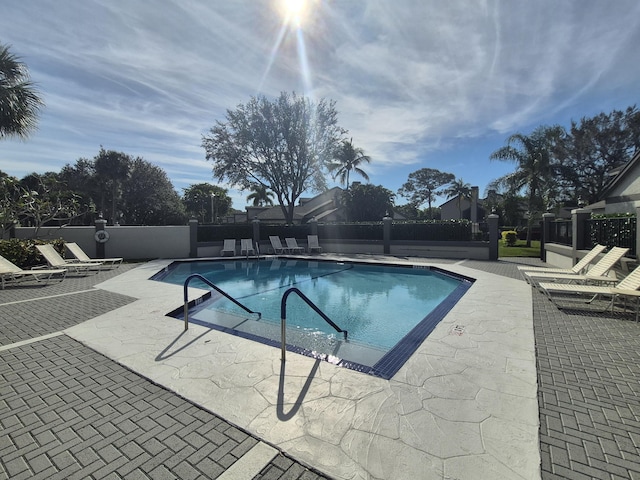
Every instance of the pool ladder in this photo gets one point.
(217, 289)
(283, 309)
(314, 307)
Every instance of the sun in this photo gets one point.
(294, 11)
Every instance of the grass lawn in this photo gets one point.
(519, 250)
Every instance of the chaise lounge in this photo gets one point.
(11, 274)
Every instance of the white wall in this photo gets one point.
(129, 242)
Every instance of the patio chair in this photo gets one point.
(54, 260)
(246, 246)
(228, 247)
(81, 256)
(627, 287)
(578, 268)
(292, 246)
(11, 274)
(312, 244)
(276, 244)
(597, 273)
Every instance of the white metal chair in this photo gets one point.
(276, 244)
(54, 260)
(246, 246)
(292, 246)
(11, 274)
(578, 268)
(312, 244)
(228, 247)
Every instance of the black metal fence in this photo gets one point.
(612, 232)
(561, 232)
(419, 231)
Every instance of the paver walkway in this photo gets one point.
(69, 412)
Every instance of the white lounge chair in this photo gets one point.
(578, 268)
(11, 274)
(246, 246)
(627, 287)
(276, 244)
(292, 246)
(596, 274)
(81, 256)
(54, 260)
(312, 244)
(228, 247)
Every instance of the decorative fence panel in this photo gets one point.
(613, 232)
(561, 232)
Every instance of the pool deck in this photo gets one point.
(499, 390)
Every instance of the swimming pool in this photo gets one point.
(387, 310)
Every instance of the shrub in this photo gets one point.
(23, 252)
(510, 238)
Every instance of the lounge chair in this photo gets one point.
(627, 287)
(77, 252)
(312, 244)
(246, 246)
(276, 244)
(228, 247)
(292, 246)
(597, 273)
(578, 268)
(11, 274)
(54, 260)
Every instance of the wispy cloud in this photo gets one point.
(413, 80)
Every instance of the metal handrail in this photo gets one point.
(283, 316)
(217, 289)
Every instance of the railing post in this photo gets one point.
(386, 233)
(579, 217)
(193, 238)
(492, 224)
(545, 235)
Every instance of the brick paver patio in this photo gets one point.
(69, 412)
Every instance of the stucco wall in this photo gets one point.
(129, 242)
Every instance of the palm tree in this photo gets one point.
(460, 190)
(261, 196)
(348, 158)
(534, 170)
(19, 100)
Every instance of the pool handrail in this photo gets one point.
(283, 317)
(217, 289)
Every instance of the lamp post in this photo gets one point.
(212, 197)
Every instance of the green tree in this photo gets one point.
(594, 147)
(206, 202)
(148, 196)
(260, 196)
(458, 190)
(348, 158)
(81, 179)
(111, 169)
(534, 168)
(422, 186)
(368, 202)
(283, 145)
(20, 102)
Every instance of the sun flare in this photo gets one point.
(294, 11)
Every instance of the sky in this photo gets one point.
(417, 83)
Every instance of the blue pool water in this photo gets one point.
(379, 305)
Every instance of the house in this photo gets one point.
(471, 208)
(622, 193)
(325, 207)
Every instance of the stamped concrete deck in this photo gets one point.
(464, 406)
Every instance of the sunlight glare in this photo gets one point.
(294, 11)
